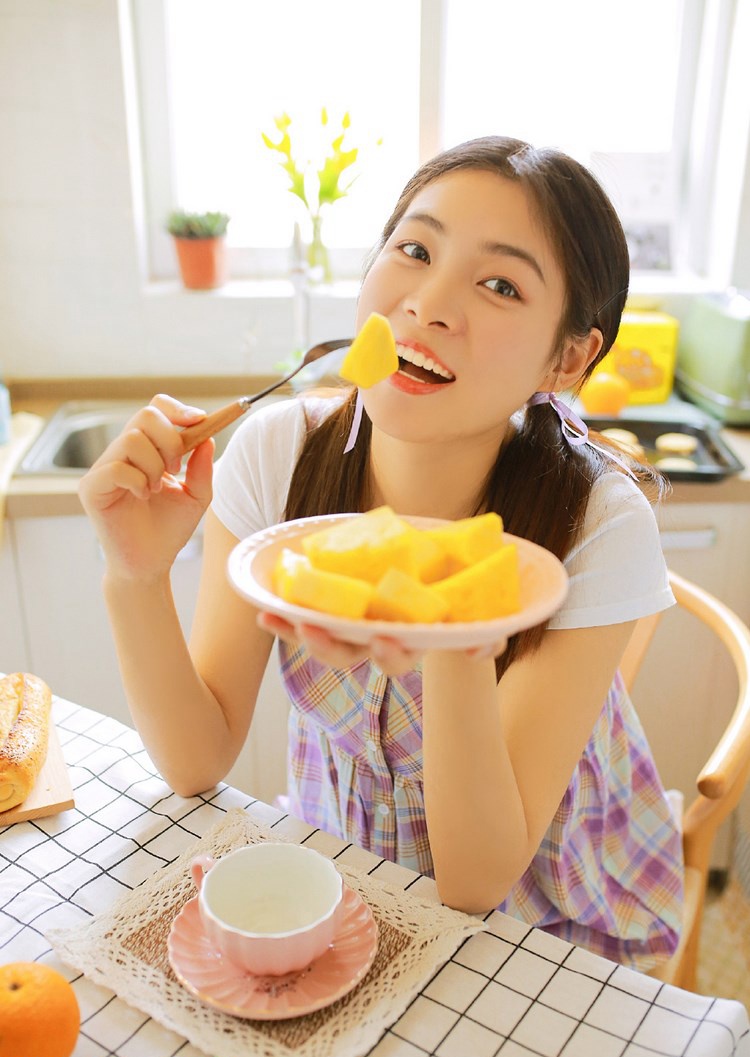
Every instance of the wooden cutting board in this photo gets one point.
(52, 790)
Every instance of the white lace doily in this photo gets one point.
(125, 948)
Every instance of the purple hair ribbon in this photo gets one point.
(571, 423)
(356, 422)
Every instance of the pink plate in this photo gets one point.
(544, 584)
(207, 974)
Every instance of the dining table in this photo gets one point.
(94, 890)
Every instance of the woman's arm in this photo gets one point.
(192, 723)
(497, 759)
(192, 707)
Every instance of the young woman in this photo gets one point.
(522, 781)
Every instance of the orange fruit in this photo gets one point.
(605, 394)
(39, 1014)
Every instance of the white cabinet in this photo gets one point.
(687, 688)
(59, 570)
(14, 656)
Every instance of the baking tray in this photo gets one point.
(714, 459)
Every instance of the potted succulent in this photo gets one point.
(200, 242)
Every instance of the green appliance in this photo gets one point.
(713, 356)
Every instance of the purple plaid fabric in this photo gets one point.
(608, 874)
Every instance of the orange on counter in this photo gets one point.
(39, 1014)
(605, 394)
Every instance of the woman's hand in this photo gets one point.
(142, 513)
(390, 656)
(387, 653)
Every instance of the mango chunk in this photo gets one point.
(485, 591)
(379, 566)
(468, 540)
(399, 596)
(428, 556)
(365, 547)
(372, 354)
(298, 582)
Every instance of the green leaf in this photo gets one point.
(184, 225)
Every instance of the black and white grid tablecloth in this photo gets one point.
(510, 991)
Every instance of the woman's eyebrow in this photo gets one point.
(505, 249)
(500, 249)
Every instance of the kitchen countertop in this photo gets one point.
(45, 496)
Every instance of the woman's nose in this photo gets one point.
(434, 303)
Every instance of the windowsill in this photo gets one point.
(254, 289)
(646, 289)
(652, 286)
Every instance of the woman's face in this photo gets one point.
(474, 296)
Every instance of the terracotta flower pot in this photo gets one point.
(203, 262)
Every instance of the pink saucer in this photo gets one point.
(207, 974)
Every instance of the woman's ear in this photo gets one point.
(576, 357)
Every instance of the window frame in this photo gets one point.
(706, 118)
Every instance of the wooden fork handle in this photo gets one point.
(212, 424)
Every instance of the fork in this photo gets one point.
(212, 424)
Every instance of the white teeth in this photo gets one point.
(420, 360)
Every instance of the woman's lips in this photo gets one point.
(413, 386)
(420, 366)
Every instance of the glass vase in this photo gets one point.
(318, 261)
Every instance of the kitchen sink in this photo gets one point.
(79, 431)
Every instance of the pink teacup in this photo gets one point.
(269, 908)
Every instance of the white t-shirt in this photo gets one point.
(616, 569)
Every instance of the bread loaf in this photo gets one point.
(25, 703)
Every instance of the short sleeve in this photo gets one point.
(251, 479)
(616, 570)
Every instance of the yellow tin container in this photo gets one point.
(644, 353)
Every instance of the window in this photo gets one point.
(634, 89)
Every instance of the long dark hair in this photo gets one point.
(539, 484)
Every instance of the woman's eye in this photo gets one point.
(501, 286)
(415, 250)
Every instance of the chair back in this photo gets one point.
(723, 777)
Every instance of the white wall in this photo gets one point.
(72, 298)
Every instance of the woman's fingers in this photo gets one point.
(494, 649)
(151, 439)
(105, 483)
(199, 472)
(387, 653)
(177, 412)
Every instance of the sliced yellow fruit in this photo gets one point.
(484, 591)
(297, 581)
(429, 561)
(399, 596)
(365, 547)
(468, 540)
(372, 354)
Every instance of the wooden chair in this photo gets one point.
(721, 781)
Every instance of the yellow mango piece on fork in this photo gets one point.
(372, 354)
